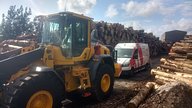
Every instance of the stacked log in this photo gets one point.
(113, 33)
(27, 37)
(19, 42)
(178, 66)
(110, 34)
(134, 103)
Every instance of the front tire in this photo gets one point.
(34, 90)
(103, 84)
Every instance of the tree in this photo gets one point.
(16, 22)
(37, 27)
(3, 22)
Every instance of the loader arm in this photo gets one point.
(9, 54)
(13, 64)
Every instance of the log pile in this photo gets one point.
(19, 42)
(173, 79)
(178, 66)
(113, 33)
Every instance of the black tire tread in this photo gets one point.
(13, 90)
(98, 95)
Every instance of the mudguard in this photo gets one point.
(51, 71)
(97, 61)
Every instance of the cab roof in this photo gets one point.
(70, 13)
(130, 45)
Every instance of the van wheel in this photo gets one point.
(148, 66)
(34, 90)
(132, 71)
(103, 84)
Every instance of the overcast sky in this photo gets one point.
(155, 16)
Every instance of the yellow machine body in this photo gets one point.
(69, 55)
(76, 72)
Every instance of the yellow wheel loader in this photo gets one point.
(66, 61)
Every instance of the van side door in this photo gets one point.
(136, 58)
(140, 57)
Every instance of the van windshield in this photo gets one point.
(124, 53)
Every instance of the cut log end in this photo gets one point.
(131, 105)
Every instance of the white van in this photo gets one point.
(133, 57)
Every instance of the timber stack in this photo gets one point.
(113, 33)
(19, 42)
(106, 33)
(178, 65)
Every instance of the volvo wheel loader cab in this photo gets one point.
(68, 63)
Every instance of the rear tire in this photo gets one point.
(103, 89)
(132, 72)
(21, 92)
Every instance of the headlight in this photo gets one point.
(38, 69)
(125, 64)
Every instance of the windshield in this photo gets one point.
(55, 30)
(68, 32)
(124, 53)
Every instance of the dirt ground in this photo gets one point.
(125, 88)
(170, 95)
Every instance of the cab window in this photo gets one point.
(135, 55)
(80, 40)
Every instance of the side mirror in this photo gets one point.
(114, 55)
(135, 56)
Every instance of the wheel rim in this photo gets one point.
(105, 82)
(41, 99)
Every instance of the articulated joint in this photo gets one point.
(83, 74)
